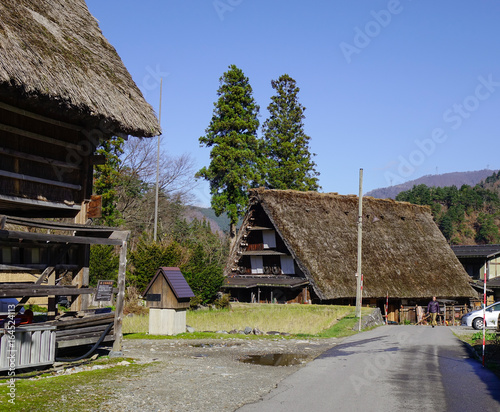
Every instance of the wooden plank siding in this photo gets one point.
(44, 162)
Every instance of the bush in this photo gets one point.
(488, 336)
(222, 302)
(132, 302)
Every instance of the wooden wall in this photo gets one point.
(43, 162)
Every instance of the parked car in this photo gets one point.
(475, 318)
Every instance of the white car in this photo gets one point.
(475, 318)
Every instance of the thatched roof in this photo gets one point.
(54, 60)
(404, 253)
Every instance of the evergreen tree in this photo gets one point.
(106, 179)
(232, 135)
(104, 263)
(287, 163)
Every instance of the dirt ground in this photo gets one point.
(208, 375)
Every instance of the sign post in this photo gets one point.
(104, 290)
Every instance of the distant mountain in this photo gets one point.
(446, 179)
(217, 223)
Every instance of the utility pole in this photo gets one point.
(359, 275)
(155, 230)
(486, 274)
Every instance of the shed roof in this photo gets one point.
(175, 280)
(404, 253)
(55, 61)
(476, 251)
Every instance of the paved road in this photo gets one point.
(390, 368)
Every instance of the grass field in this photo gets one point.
(293, 319)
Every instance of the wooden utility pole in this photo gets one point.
(359, 275)
(155, 230)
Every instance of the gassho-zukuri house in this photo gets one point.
(301, 247)
(63, 90)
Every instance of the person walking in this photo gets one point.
(433, 309)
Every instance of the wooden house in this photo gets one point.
(476, 259)
(63, 90)
(302, 247)
(167, 296)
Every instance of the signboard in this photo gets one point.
(104, 290)
(153, 297)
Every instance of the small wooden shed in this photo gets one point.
(167, 297)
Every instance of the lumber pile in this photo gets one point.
(82, 328)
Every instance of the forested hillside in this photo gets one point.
(438, 180)
(466, 215)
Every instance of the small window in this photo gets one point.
(269, 239)
(287, 265)
(7, 255)
(257, 264)
(35, 255)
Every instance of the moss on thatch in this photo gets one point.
(54, 60)
(404, 253)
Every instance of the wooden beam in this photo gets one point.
(120, 299)
(34, 179)
(91, 320)
(26, 285)
(42, 291)
(38, 159)
(59, 226)
(34, 267)
(39, 117)
(39, 137)
(76, 331)
(79, 342)
(43, 237)
(37, 203)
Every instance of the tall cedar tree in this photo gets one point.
(106, 178)
(232, 135)
(287, 162)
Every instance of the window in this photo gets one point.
(257, 264)
(6, 255)
(287, 265)
(269, 239)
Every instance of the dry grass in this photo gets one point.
(136, 324)
(294, 319)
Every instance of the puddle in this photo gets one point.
(214, 345)
(209, 345)
(275, 359)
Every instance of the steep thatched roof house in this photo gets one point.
(63, 90)
(296, 246)
(63, 87)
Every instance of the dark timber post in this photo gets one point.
(359, 276)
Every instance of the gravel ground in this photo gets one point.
(207, 375)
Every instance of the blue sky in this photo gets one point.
(401, 88)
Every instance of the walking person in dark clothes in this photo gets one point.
(433, 309)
